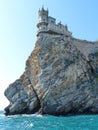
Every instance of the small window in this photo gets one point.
(52, 21)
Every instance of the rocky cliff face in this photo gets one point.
(60, 78)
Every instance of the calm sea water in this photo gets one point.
(38, 122)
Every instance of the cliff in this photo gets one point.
(60, 78)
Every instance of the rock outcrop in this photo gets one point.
(60, 78)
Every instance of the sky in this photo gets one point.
(18, 19)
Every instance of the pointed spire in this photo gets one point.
(39, 9)
(43, 7)
(47, 10)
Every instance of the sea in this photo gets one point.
(47, 122)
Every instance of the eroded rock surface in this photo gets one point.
(60, 78)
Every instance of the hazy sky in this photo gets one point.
(18, 19)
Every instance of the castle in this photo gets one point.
(47, 25)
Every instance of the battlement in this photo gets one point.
(47, 24)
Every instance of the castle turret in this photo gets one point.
(43, 20)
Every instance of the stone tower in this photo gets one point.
(43, 20)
